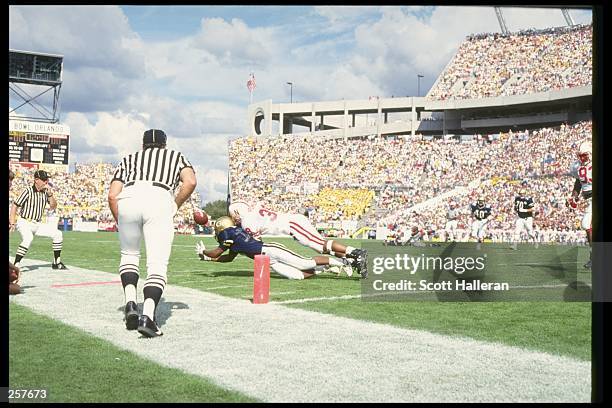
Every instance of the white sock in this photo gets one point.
(335, 262)
(148, 308)
(349, 249)
(130, 293)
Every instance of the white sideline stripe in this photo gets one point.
(282, 354)
(343, 297)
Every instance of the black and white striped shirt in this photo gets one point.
(32, 203)
(153, 164)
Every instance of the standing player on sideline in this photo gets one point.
(282, 260)
(523, 205)
(141, 201)
(482, 215)
(259, 220)
(451, 222)
(583, 172)
(32, 203)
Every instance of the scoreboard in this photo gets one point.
(36, 142)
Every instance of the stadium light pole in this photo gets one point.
(419, 76)
(291, 85)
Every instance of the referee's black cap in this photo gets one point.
(41, 174)
(154, 136)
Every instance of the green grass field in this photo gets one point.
(560, 328)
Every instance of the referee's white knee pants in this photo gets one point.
(305, 233)
(286, 262)
(146, 212)
(27, 230)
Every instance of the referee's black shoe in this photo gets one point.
(147, 327)
(58, 265)
(131, 316)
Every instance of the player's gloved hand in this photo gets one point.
(571, 203)
(200, 248)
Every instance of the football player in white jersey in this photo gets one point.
(582, 170)
(452, 216)
(258, 220)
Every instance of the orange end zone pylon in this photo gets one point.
(261, 279)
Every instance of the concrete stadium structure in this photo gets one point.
(419, 115)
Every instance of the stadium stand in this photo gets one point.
(489, 65)
(82, 195)
(406, 173)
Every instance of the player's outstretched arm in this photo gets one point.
(214, 255)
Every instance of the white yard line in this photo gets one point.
(276, 353)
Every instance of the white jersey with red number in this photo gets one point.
(584, 173)
(262, 221)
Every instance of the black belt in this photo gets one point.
(154, 183)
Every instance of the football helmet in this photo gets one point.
(236, 209)
(584, 152)
(222, 224)
(480, 202)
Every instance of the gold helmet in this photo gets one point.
(222, 224)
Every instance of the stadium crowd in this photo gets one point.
(82, 194)
(281, 175)
(490, 65)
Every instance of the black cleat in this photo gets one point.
(58, 265)
(587, 265)
(362, 264)
(147, 327)
(355, 254)
(131, 316)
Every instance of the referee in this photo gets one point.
(142, 202)
(31, 204)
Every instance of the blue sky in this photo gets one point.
(184, 68)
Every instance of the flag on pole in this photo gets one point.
(251, 82)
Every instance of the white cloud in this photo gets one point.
(235, 42)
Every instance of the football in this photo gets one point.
(200, 217)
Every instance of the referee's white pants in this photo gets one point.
(146, 211)
(286, 262)
(27, 230)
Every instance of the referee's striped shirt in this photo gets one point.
(153, 164)
(32, 203)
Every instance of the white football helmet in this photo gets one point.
(238, 208)
(584, 152)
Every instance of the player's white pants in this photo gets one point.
(28, 229)
(302, 230)
(146, 211)
(586, 218)
(479, 228)
(450, 228)
(523, 224)
(286, 262)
